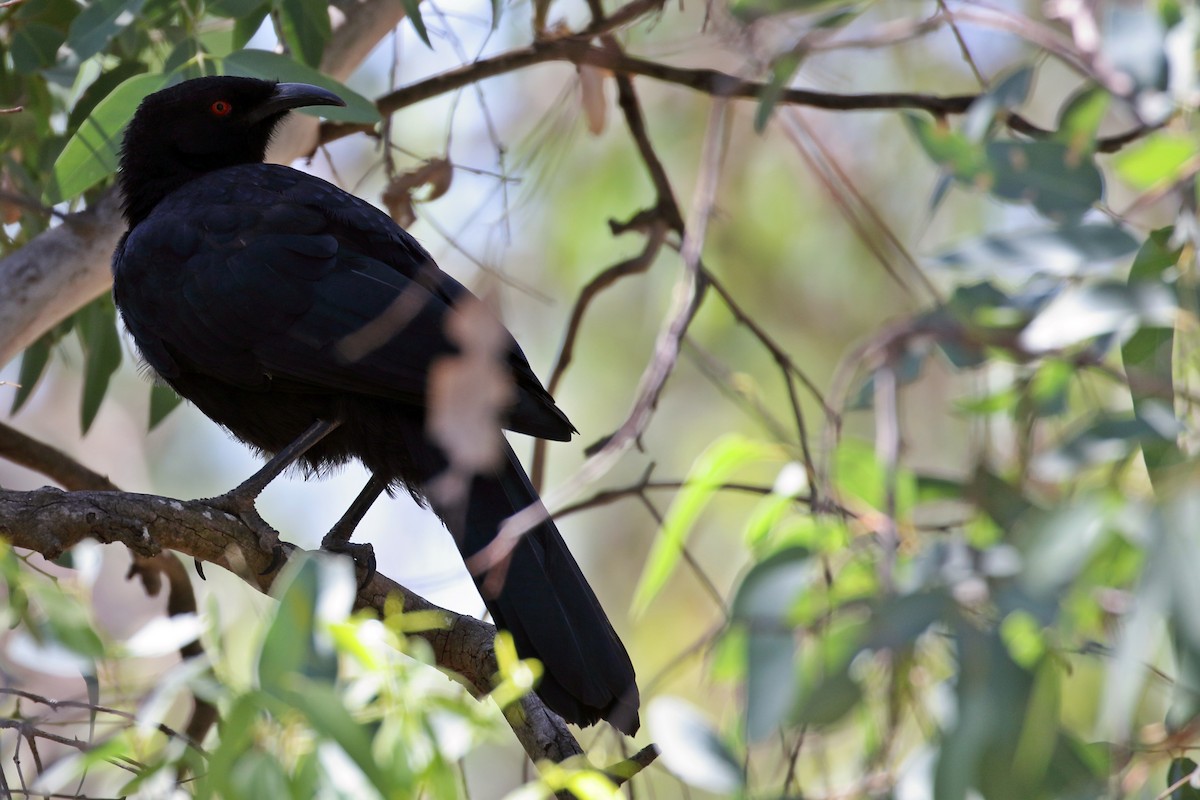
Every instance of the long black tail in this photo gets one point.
(547, 605)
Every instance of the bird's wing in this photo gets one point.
(282, 279)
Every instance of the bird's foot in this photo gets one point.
(362, 554)
(241, 506)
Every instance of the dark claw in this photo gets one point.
(276, 559)
(200, 568)
(362, 554)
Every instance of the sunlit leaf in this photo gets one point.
(964, 159)
(1160, 158)
(710, 471)
(1080, 118)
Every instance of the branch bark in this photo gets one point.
(50, 521)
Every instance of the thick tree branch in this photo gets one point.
(50, 521)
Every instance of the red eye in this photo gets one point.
(220, 108)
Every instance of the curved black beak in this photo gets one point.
(294, 95)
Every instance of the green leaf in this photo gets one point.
(274, 67)
(237, 734)
(750, 10)
(305, 28)
(97, 329)
(33, 365)
(964, 159)
(98, 23)
(232, 9)
(313, 589)
(1080, 118)
(762, 607)
(99, 89)
(711, 470)
(1139, 634)
(163, 401)
(782, 71)
(1159, 159)
(412, 8)
(1090, 310)
(330, 719)
(1107, 439)
(35, 46)
(1057, 545)
(1183, 774)
(1007, 93)
(691, 749)
(1019, 255)
(1148, 355)
(257, 774)
(900, 621)
(830, 700)
(1062, 184)
(244, 27)
(91, 154)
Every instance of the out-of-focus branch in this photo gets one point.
(579, 51)
(63, 268)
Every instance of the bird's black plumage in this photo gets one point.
(245, 286)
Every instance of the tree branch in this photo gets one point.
(50, 521)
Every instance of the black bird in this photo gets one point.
(307, 323)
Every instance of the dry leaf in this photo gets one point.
(591, 97)
(470, 392)
(437, 173)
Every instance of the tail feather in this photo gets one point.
(545, 602)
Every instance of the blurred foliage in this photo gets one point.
(1026, 627)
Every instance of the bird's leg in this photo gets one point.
(338, 538)
(239, 501)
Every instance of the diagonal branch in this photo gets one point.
(50, 521)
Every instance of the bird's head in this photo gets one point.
(202, 125)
